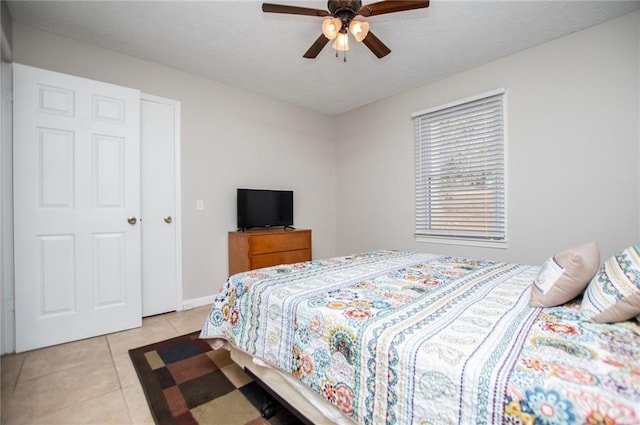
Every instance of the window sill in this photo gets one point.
(462, 241)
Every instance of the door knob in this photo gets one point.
(168, 219)
(132, 220)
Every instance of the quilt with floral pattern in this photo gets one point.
(392, 337)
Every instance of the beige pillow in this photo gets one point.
(613, 295)
(565, 275)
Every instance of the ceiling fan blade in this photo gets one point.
(316, 47)
(293, 10)
(376, 46)
(382, 7)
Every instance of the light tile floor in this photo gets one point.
(88, 382)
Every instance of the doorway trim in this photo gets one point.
(7, 310)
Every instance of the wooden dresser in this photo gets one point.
(263, 248)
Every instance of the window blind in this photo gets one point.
(459, 154)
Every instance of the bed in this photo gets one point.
(393, 337)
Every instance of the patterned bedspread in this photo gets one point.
(412, 338)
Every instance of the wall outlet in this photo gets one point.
(200, 205)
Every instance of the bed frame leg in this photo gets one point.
(268, 409)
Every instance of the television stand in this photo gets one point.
(254, 249)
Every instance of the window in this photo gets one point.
(459, 152)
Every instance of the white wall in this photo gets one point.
(230, 138)
(638, 115)
(572, 150)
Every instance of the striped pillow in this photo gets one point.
(613, 295)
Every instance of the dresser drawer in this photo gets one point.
(279, 242)
(256, 249)
(285, 257)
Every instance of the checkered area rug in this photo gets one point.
(187, 382)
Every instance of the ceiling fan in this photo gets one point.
(340, 20)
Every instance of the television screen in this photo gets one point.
(264, 208)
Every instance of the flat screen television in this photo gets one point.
(264, 208)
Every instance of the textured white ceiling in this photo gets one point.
(235, 43)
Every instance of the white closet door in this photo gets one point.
(161, 256)
(76, 206)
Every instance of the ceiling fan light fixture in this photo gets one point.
(359, 29)
(341, 43)
(331, 27)
(338, 22)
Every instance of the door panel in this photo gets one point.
(161, 272)
(108, 164)
(76, 181)
(109, 269)
(55, 156)
(57, 256)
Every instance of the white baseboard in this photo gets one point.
(197, 302)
